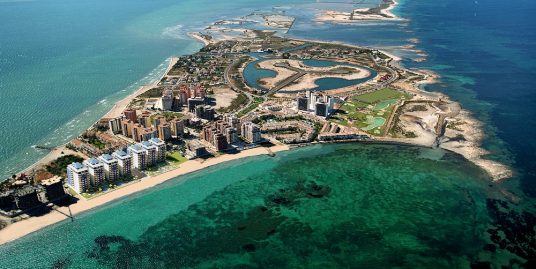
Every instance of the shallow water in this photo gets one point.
(387, 206)
(327, 206)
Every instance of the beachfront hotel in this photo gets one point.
(96, 171)
(138, 155)
(111, 168)
(124, 163)
(78, 177)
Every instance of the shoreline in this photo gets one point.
(122, 104)
(115, 111)
(361, 14)
(25, 227)
(472, 152)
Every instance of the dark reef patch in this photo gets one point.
(512, 230)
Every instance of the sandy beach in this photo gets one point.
(198, 37)
(359, 14)
(120, 106)
(30, 225)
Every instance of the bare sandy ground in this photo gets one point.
(52, 156)
(307, 81)
(199, 38)
(346, 17)
(224, 96)
(25, 227)
(282, 73)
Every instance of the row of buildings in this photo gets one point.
(222, 133)
(95, 171)
(170, 101)
(146, 126)
(321, 105)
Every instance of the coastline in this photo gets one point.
(121, 105)
(361, 14)
(22, 228)
(116, 111)
(471, 152)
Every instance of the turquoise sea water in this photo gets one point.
(337, 206)
(64, 63)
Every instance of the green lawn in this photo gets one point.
(379, 95)
(256, 102)
(176, 158)
(364, 110)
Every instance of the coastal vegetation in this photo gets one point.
(238, 102)
(256, 102)
(152, 93)
(59, 166)
(92, 139)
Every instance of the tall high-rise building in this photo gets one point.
(167, 100)
(144, 121)
(164, 131)
(124, 163)
(205, 112)
(193, 102)
(220, 141)
(150, 148)
(251, 132)
(96, 171)
(302, 103)
(177, 127)
(111, 167)
(231, 134)
(233, 121)
(130, 114)
(116, 125)
(78, 177)
(160, 149)
(138, 155)
(321, 109)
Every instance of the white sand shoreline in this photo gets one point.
(360, 15)
(33, 224)
(28, 226)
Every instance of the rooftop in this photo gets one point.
(92, 162)
(77, 166)
(121, 154)
(147, 144)
(156, 141)
(107, 158)
(136, 148)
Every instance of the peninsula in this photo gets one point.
(253, 94)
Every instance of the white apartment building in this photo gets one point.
(77, 177)
(151, 150)
(160, 149)
(124, 163)
(111, 168)
(138, 155)
(96, 171)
